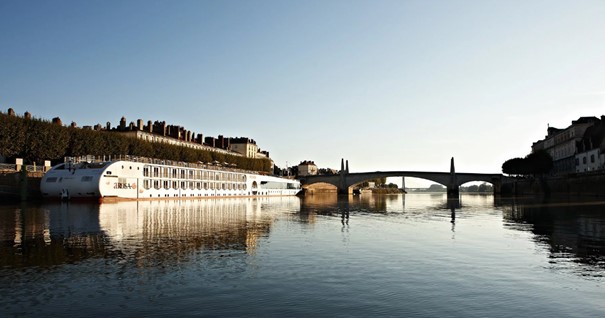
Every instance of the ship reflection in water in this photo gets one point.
(148, 231)
(413, 255)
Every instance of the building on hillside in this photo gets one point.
(177, 135)
(307, 168)
(562, 144)
(143, 135)
(245, 146)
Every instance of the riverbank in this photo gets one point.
(386, 191)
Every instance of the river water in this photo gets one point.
(414, 255)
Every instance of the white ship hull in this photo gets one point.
(127, 180)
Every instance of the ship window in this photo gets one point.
(211, 185)
(108, 173)
(205, 185)
(199, 186)
(146, 184)
(184, 185)
(166, 184)
(51, 179)
(175, 184)
(156, 184)
(146, 172)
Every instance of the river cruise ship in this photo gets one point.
(142, 178)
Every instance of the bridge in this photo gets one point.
(345, 181)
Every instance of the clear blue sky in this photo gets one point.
(388, 85)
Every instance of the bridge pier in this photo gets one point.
(453, 192)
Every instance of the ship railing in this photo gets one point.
(199, 165)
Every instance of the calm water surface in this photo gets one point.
(417, 255)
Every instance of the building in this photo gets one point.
(245, 146)
(307, 168)
(577, 148)
(150, 137)
(562, 144)
(177, 135)
(591, 150)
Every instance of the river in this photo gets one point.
(414, 255)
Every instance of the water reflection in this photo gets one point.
(149, 232)
(164, 232)
(572, 229)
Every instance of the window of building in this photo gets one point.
(592, 158)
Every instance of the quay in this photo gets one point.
(20, 182)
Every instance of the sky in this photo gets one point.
(386, 85)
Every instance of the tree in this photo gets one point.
(484, 187)
(436, 188)
(540, 162)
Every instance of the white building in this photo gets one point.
(591, 160)
(244, 146)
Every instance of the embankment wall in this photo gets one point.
(575, 185)
(19, 186)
